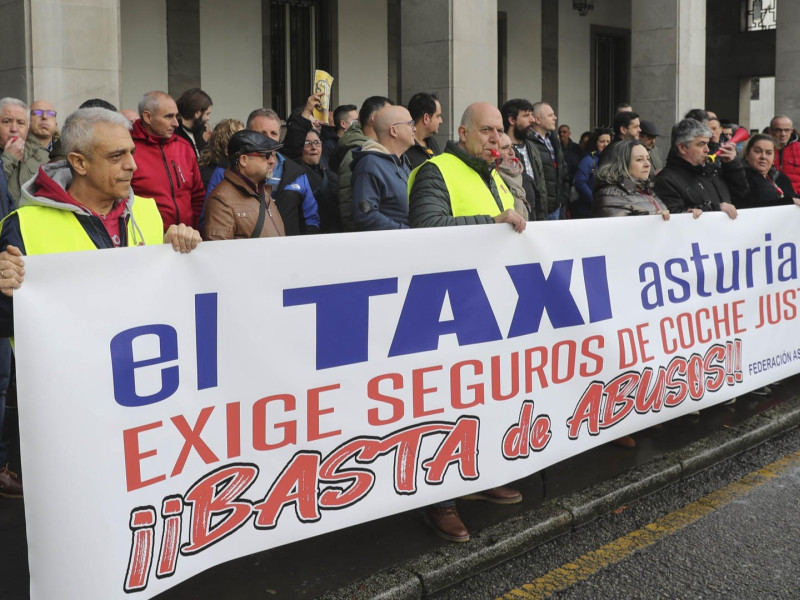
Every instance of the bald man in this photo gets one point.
(380, 172)
(461, 186)
(167, 165)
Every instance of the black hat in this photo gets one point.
(649, 128)
(251, 142)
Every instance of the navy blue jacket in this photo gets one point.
(380, 188)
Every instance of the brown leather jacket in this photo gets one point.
(232, 211)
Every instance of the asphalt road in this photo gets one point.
(730, 532)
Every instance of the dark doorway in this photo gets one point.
(611, 66)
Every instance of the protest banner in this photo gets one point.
(179, 411)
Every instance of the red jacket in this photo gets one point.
(167, 172)
(787, 162)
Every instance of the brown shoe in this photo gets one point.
(10, 485)
(625, 442)
(497, 495)
(446, 523)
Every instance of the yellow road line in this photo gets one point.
(613, 552)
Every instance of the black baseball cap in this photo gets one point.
(247, 141)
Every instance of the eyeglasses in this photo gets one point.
(410, 123)
(310, 143)
(266, 155)
(38, 112)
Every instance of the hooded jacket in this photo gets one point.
(48, 190)
(19, 171)
(168, 173)
(380, 188)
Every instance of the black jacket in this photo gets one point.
(773, 189)
(682, 186)
(556, 176)
(418, 154)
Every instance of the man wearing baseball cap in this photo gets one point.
(241, 206)
(648, 135)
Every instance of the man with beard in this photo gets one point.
(194, 108)
(518, 124)
(556, 177)
(787, 157)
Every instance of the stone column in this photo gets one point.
(73, 52)
(668, 58)
(787, 61)
(450, 49)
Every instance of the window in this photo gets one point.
(298, 45)
(758, 15)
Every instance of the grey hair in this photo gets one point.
(615, 168)
(150, 101)
(77, 135)
(8, 101)
(688, 129)
(261, 112)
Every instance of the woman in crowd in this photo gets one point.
(324, 183)
(215, 154)
(584, 176)
(623, 186)
(768, 186)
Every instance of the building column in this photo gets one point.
(668, 60)
(787, 62)
(72, 51)
(450, 49)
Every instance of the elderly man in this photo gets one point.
(380, 173)
(461, 187)
(787, 160)
(83, 203)
(168, 170)
(689, 181)
(240, 206)
(15, 146)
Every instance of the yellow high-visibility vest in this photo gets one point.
(48, 231)
(469, 194)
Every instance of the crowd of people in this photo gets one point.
(374, 167)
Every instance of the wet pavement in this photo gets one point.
(312, 567)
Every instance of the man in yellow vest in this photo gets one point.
(81, 203)
(461, 187)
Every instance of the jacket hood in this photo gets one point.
(353, 137)
(49, 188)
(375, 148)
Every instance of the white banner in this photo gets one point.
(180, 411)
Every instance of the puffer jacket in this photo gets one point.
(625, 199)
(233, 207)
(429, 199)
(380, 188)
(682, 186)
(168, 173)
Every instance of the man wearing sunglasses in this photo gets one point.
(44, 129)
(240, 206)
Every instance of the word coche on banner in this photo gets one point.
(179, 411)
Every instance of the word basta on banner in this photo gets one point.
(179, 411)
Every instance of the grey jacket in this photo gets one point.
(626, 199)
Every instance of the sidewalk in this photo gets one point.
(399, 557)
